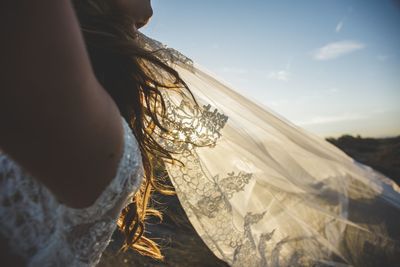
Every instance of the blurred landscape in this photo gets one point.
(183, 247)
(382, 154)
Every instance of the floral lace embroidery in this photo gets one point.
(202, 194)
(189, 125)
(164, 53)
(47, 233)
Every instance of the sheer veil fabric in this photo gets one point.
(260, 191)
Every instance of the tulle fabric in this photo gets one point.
(261, 191)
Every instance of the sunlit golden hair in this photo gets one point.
(133, 77)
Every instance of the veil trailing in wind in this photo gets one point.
(260, 191)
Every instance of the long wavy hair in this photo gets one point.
(134, 77)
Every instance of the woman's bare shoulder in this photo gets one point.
(57, 121)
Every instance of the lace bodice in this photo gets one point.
(48, 233)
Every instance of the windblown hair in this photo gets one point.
(134, 77)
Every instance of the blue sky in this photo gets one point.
(330, 66)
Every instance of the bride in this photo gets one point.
(106, 107)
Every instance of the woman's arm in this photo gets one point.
(56, 120)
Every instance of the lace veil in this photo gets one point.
(261, 191)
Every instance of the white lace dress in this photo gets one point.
(47, 233)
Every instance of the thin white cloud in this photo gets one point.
(337, 49)
(281, 75)
(331, 119)
(339, 26)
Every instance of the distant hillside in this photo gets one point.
(382, 154)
